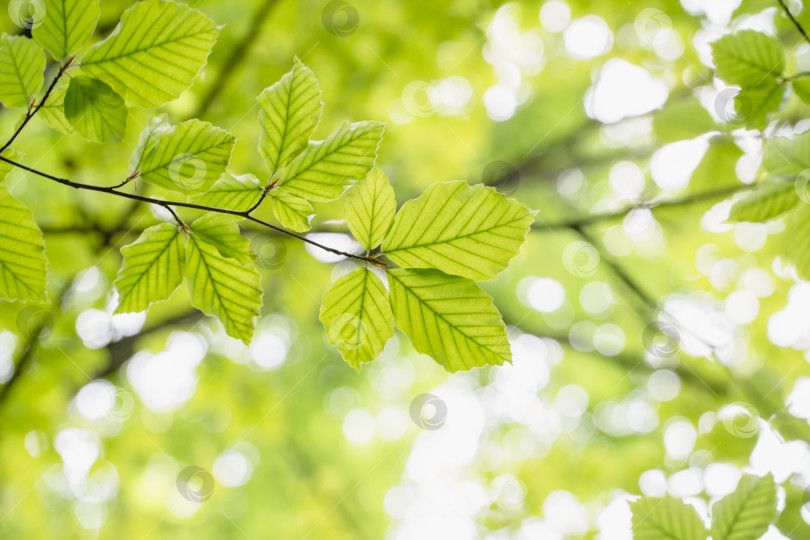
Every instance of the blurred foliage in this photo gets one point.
(601, 404)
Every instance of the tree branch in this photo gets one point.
(651, 205)
(793, 19)
(181, 204)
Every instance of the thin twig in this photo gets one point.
(181, 204)
(31, 112)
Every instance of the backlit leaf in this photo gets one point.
(665, 519)
(94, 110)
(746, 513)
(291, 211)
(357, 316)
(448, 318)
(234, 192)
(22, 252)
(155, 51)
(22, 64)
(152, 268)
(467, 231)
(370, 209)
(66, 26)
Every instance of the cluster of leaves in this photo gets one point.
(444, 241)
(744, 514)
(756, 62)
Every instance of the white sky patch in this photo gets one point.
(339, 241)
(624, 90)
(588, 38)
(672, 165)
(790, 327)
(555, 16)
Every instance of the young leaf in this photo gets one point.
(755, 103)
(189, 157)
(665, 519)
(290, 110)
(233, 192)
(291, 211)
(22, 253)
(222, 232)
(94, 110)
(66, 26)
(466, 231)
(152, 268)
(448, 318)
(370, 208)
(783, 156)
(53, 112)
(746, 513)
(155, 127)
(357, 316)
(223, 287)
(325, 168)
(748, 58)
(155, 51)
(22, 67)
(770, 201)
(801, 87)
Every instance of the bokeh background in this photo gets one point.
(650, 345)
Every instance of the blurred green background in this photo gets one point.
(575, 108)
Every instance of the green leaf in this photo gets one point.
(95, 110)
(223, 287)
(357, 316)
(22, 253)
(155, 127)
(234, 192)
(222, 232)
(155, 51)
(325, 168)
(466, 231)
(746, 513)
(797, 240)
(787, 157)
(769, 201)
(291, 211)
(801, 87)
(22, 67)
(53, 112)
(665, 519)
(290, 110)
(66, 26)
(152, 268)
(370, 208)
(189, 157)
(448, 318)
(748, 58)
(754, 104)
(717, 167)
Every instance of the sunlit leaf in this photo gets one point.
(746, 513)
(784, 156)
(5, 167)
(53, 112)
(748, 58)
(22, 252)
(357, 316)
(665, 519)
(155, 51)
(370, 209)
(234, 192)
(22, 64)
(291, 211)
(290, 110)
(448, 318)
(66, 26)
(222, 232)
(796, 247)
(189, 157)
(467, 231)
(770, 201)
(152, 268)
(94, 110)
(325, 168)
(223, 287)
